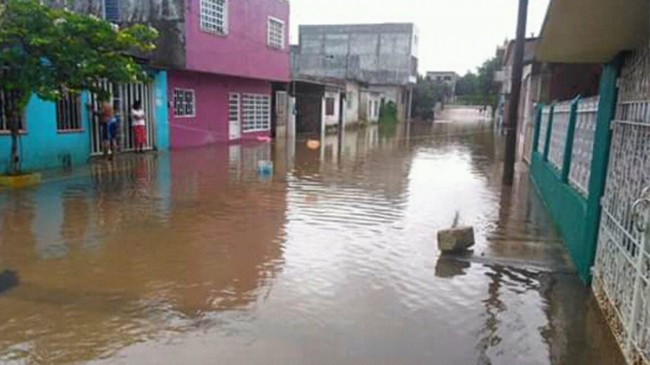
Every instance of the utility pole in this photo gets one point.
(515, 93)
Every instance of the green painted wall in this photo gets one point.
(577, 217)
(568, 209)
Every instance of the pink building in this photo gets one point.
(232, 83)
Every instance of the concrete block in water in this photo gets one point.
(456, 239)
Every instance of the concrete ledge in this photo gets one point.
(20, 181)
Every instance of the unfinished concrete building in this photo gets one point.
(383, 56)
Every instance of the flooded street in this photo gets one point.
(195, 258)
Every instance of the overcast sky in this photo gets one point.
(455, 35)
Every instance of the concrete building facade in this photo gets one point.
(227, 61)
(236, 56)
(383, 56)
(449, 78)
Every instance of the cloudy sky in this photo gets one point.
(455, 35)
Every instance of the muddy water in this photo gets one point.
(195, 258)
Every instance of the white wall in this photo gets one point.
(330, 120)
(352, 103)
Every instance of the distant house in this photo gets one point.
(381, 56)
(449, 78)
(319, 105)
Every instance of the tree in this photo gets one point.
(479, 88)
(426, 95)
(488, 89)
(51, 52)
(467, 85)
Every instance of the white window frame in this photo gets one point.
(68, 113)
(333, 98)
(207, 26)
(269, 42)
(184, 90)
(244, 116)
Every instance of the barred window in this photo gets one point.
(257, 113)
(276, 33)
(112, 10)
(214, 16)
(8, 101)
(233, 108)
(184, 103)
(68, 112)
(330, 106)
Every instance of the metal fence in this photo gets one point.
(583, 144)
(543, 127)
(559, 130)
(123, 96)
(622, 271)
(569, 128)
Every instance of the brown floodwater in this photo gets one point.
(195, 258)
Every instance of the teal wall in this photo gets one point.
(162, 111)
(43, 147)
(568, 209)
(578, 217)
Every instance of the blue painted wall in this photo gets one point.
(43, 147)
(162, 111)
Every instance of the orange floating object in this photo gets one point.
(313, 144)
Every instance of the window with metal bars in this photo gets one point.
(112, 10)
(184, 103)
(233, 108)
(276, 33)
(257, 113)
(214, 16)
(330, 106)
(68, 113)
(8, 101)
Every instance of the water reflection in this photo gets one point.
(194, 257)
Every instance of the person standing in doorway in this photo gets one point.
(108, 128)
(139, 125)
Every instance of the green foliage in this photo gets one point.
(467, 85)
(479, 88)
(426, 95)
(388, 113)
(50, 51)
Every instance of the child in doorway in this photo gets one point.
(138, 123)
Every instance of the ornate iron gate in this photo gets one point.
(622, 271)
(123, 97)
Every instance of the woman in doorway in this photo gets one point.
(138, 122)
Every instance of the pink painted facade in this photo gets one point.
(210, 122)
(243, 51)
(217, 65)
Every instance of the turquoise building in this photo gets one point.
(65, 134)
